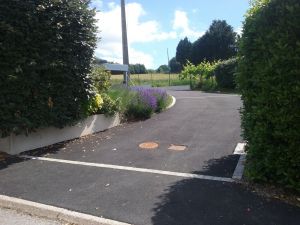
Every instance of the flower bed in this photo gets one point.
(145, 102)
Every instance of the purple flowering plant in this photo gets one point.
(151, 97)
(146, 101)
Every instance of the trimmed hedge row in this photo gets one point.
(269, 80)
(225, 73)
(46, 48)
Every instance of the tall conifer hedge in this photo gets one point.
(269, 80)
(46, 48)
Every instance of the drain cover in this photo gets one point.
(148, 145)
(177, 147)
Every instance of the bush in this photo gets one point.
(224, 73)
(94, 105)
(268, 78)
(46, 48)
(138, 111)
(110, 107)
(201, 76)
(145, 102)
(209, 84)
(100, 79)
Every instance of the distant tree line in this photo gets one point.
(133, 68)
(218, 43)
(137, 69)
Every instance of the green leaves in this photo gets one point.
(46, 50)
(268, 78)
(183, 51)
(218, 43)
(201, 76)
(225, 73)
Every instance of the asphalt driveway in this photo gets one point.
(207, 124)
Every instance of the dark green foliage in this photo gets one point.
(225, 74)
(138, 112)
(137, 69)
(269, 80)
(218, 43)
(183, 51)
(99, 62)
(175, 66)
(163, 69)
(46, 48)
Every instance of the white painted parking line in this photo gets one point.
(134, 169)
(239, 170)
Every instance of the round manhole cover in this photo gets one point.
(177, 147)
(148, 145)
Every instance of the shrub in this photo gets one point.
(201, 75)
(209, 84)
(94, 105)
(46, 48)
(224, 73)
(138, 110)
(110, 106)
(145, 102)
(123, 96)
(268, 78)
(100, 79)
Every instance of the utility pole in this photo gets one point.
(169, 67)
(124, 41)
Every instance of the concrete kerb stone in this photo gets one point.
(54, 213)
(239, 170)
(173, 102)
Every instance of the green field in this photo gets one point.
(155, 80)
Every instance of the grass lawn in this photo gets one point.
(155, 80)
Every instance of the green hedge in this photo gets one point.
(269, 80)
(46, 48)
(224, 73)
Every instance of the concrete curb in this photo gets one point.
(54, 213)
(173, 102)
(239, 169)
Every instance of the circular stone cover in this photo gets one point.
(148, 145)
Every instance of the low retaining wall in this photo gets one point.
(15, 144)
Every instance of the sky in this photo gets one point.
(157, 25)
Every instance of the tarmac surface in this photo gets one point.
(208, 125)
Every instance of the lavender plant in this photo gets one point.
(145, 102)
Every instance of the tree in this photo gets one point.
(218, 43)
(98, 61)
(137, 69)
(175, 66)
(163, 69)
(183, 51)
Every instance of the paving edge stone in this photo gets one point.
(173, 102)
(54, 213)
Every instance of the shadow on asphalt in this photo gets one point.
(13, 159)
(200, 202)
(10, 160)
(51, 149)
(224, 166)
